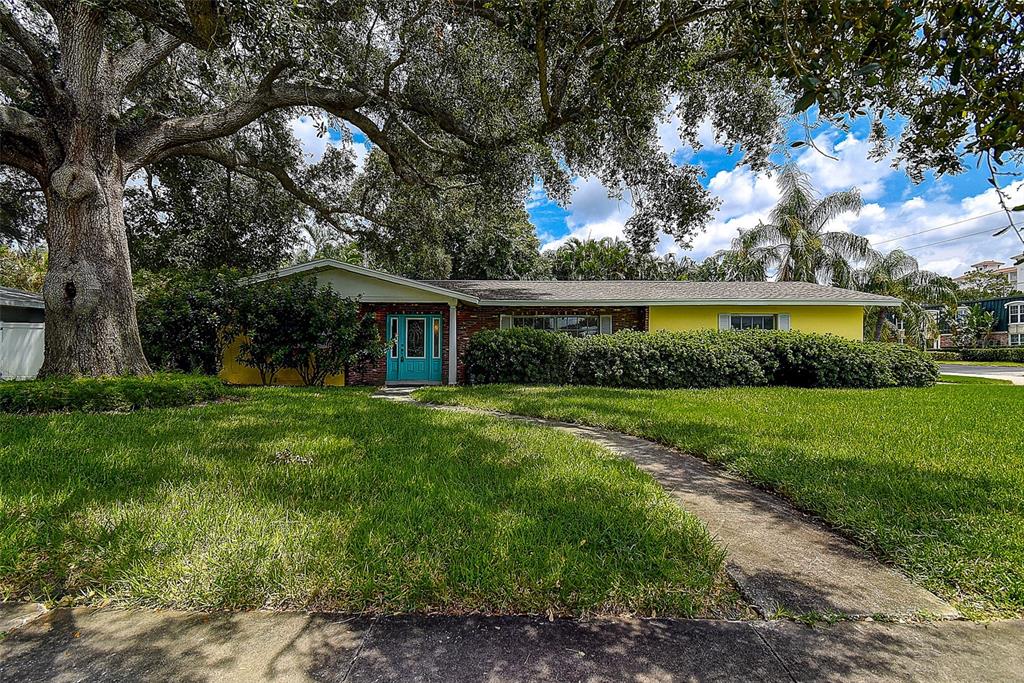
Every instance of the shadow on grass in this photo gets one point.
(389, 507)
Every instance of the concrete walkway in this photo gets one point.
(782, 560)
(117, 645)
(1014, 374)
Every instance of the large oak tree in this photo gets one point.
(457, 93)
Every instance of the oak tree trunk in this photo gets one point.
(91, 328)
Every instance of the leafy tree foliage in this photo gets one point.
(982, 284)
(22, 268)
(612, 259)
(193, 214)
(22, 209)
(794, 242)
(456, 93)
(468, 233)
(897, 274)
(313, 330)
(969, 329)
(186, 317)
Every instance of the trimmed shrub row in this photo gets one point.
(95, 394)
(1011, 354)
(705, 359)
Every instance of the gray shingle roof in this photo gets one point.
(657, 292)
(20, 298)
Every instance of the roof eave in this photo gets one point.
(884, 303)
(329, 263)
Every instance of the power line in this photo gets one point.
(954, 239)
(939, 227)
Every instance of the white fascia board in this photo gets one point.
(329, 263)
(685, 302)
(22, 303)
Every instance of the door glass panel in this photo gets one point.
(393, 337)
(415, 338)
(436, 338)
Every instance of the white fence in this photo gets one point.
(21, 350)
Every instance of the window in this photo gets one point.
(1016, 311)
(752, 322)
(1017, 340)
(415, 338)
(961, 313)
(437, 338)
(393, 337)
(575, 325)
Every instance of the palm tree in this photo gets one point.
(898, 274)
(794, 241)
(604, 259)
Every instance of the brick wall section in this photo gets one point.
(473, 319)
(994, 339)
(374, 373)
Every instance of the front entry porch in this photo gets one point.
(415, 349)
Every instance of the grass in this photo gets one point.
(931, 480)
(328, 499)
(967, 379)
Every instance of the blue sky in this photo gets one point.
(894, 206)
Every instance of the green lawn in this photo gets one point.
(931, 480)
(968, 379)
(331, 500)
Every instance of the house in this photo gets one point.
(430, 321)
(1008, 329)
(21, 334)
(1014, 274)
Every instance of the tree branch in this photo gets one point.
(14, 121)
(245, 164)
(139, 58)
(206, 26)
(18, 152)
(37, 62)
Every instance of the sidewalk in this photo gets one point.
(113, 645)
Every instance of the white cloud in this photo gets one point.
(593, 214)
(313, 145)
(852, 169)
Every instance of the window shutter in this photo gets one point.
(724, 321)
(606, 324)
(784, 321)
(506, 322)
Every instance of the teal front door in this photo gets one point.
(415, 349)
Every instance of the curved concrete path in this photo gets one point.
(784, 562)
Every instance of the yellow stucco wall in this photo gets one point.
(234, 372)
(843, 321)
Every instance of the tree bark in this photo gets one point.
(879, 324)
(91, 328)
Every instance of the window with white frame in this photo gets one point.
(962, 312)
(1017, 340)
(1015, 309)
(575, 325)
(753, 322)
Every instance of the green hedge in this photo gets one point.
(108, 393)
(705, 359)
(521, 356)
(944, 355)
(1012, 354)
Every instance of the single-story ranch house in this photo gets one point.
(430, 321)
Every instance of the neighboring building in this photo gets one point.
(1009, 321)
(1014, 274)
(431, 321)
(21, 334)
